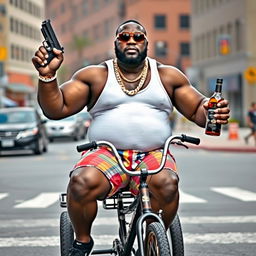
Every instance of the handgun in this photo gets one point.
(50, 40)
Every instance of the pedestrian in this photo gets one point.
(251, 121)
(130, 99)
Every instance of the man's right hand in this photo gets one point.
(40, 59)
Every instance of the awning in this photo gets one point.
(22, 88)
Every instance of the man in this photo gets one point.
(251, 121)
(130, 99)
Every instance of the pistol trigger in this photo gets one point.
(47, 47)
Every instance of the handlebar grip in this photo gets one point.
(86, 146)
(190, 139)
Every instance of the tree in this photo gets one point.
(79, 43)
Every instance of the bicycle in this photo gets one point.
(155, 240)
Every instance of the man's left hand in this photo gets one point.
(222, 111)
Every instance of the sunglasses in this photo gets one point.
(137, 36)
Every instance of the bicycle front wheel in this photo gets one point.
(156, 242)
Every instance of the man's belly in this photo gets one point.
(142, 129)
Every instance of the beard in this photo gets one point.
(131, 61)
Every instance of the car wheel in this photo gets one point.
(45, 149)
(39, 146)
(76, 136)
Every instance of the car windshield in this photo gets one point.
(17, 117)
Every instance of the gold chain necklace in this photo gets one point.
(130, 80)
(142, 79)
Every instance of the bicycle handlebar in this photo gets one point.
(95, 144)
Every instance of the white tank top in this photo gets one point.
(140, 122)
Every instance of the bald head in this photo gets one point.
(126, 23)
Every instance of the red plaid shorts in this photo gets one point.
(104, 160)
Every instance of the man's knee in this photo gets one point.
(167, 186)
(82, 182)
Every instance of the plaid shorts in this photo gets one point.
(104, 160)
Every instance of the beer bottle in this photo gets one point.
(212, 127)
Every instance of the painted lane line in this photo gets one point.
(218, 219)
(3, 195)
(189, 238)
(111, 221)
(220, 238)
(43, 200)
(237, 193)
(188, 198)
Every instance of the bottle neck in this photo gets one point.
(218, 88)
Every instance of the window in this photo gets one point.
(2, 10)
(184, 21)
(160, 21)
(85, 7)
(184, 49)
(161, 49)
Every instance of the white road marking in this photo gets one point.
(217, 219)
(237, 193)
(43, 200)
(3, 195)
(111, 221)
(188, 198)
(189, 238)
(220, 238)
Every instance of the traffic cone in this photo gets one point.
(233, 131)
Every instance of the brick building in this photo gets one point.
(86, 29)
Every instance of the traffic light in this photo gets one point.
(224, 45)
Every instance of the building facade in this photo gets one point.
(223, 46)
(86, 29)
(168, 26)
(20, 35)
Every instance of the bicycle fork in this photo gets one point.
(146, 210)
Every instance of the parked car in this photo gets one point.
(22, 128)
(70, 127)
(86, 119)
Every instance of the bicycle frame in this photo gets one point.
(141, 204)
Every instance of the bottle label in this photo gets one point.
(211, 117)
(212, 125)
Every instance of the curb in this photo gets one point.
(225, 149)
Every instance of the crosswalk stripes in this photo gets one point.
(107, 240)
(112, 221)
(43, 200)
(237, 193)
(188, 198)
(3, 195)
(47, 199)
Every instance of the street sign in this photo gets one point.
(250, 74)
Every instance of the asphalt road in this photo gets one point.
(217, 206)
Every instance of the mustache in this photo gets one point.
(131, 48)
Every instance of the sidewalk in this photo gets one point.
(217, 143)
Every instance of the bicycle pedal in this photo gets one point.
(63, 200)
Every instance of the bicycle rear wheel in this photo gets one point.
(156, 241)
(66, 234)
(176, 235)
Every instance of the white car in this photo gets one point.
(70, 127)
